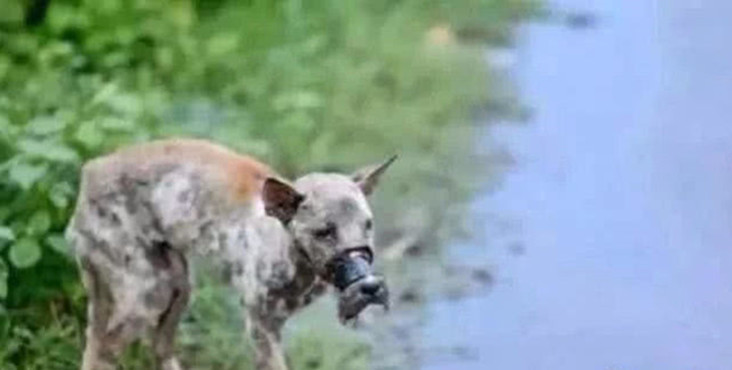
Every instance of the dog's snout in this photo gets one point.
(350, 267)
(371, 288)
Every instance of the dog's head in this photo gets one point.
(332, 226)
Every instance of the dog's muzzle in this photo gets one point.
(357, 284)
(349, 269)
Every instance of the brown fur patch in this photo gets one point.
(239, 177)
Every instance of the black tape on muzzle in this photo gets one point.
(349, 270)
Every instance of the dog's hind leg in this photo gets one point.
(103, 346)
(164, 333)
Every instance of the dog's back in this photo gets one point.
(167, 189)
(234, 177)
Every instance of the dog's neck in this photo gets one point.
(305, 273)
(302, 286)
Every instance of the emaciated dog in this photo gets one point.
(142, 210)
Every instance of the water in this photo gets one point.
(622, 199)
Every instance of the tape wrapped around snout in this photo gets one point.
(350, 270)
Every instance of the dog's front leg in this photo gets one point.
(266, 334)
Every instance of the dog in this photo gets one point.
(144, 210)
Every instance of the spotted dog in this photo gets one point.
(144, 209)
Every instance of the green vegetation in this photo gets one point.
(303, 85)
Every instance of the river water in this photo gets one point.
(611, 238)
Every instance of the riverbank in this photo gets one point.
(619, 203)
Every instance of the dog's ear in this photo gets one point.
(280, 199)
(368, 177)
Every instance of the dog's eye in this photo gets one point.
(369, 225)
(327, 232)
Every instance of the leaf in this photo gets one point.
(7, 129)
(89, 135)
(117, 124)
(58, 243)
(25, 253)
(298, 100)
(49, 150)
(222, 44)
(3, 279)
(39, 223)
(45, 125)
(6, 233)
(60, 194)
(6, 236)
(104, 93)
(25, 174)
(127, 105)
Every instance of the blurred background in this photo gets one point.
(562, 199)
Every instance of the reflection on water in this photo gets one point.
(620, 207)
